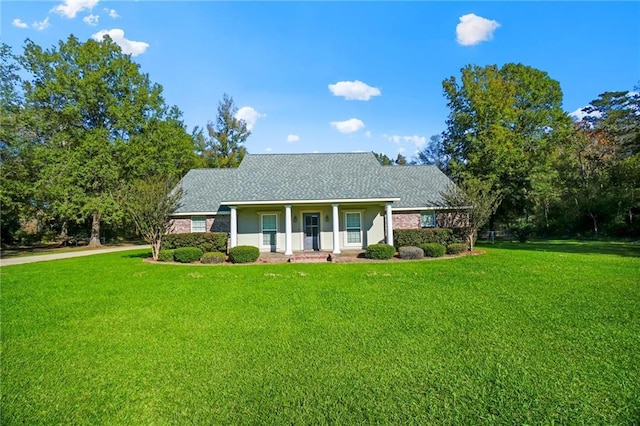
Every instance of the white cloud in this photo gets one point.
(354, 90)
(18, 23)
(41, 25)
(579, 114)
(91, 20)
(293, 138)
(133, 48)
(416, 140)
(70, 8)
(268, 149)
(348, 126)
(249, 115)
(474, 29)
(112, 13)
(367, 133)
(401, 150)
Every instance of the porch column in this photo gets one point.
(234, 227)
(389, 220)
(288, 245)
(336, 229)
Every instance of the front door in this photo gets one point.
(311, 231)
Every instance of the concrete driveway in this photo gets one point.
(67, 255)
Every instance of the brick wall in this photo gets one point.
(406, 220)
(182, 225)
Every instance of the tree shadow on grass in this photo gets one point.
(144, 255)
(625, 249)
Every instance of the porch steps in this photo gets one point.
(312, 257)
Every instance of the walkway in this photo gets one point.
(67, 255)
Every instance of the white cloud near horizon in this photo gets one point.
(579, 114)
(18, 23)
(348, 126)
(417, 141)
(91, 20)
(293, 138)
(129, 47)
(474, 29)
(249, 115)
(41, 25)
(70, 8)
(354, 90)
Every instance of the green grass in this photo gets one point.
(535, 333)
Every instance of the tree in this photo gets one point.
(225, 146)
(99, 121)
(503, 124)
(149, 203)
(433, 154)
(474, 202)
(383, 159)
(401, 160)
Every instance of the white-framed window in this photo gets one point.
(428, 219)
(269, 227)
(353, 228)
(198, 224)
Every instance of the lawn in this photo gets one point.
(535, 333)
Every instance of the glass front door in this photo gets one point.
(311, 231)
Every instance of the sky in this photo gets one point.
(342, 76)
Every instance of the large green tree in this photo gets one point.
(224, 148)
(503, 124)
(99, 121)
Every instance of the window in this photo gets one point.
(269, 230)
(353, 228)
(198, 224)
(427, 219)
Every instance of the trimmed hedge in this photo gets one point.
(213, 257)
(165, 255)
(380, 251)
(244, 254)
(433, 249)
(410, 252)
(456, 248)
(205, 241)
(417, 237)
(187, 254)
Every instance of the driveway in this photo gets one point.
(67, 255)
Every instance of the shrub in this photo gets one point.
(433, 249)
(410, 252)
(523, 231)
(213, 257)
(205, 241)
(456, 248)
(166, 255)
(380, 251)
(417, 237)
(187, 254)
(244, 254)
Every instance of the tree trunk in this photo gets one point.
(155, 248)
(64, 233)
(94, 241)
(595, 224)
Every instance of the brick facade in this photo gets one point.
(182, 225)
(406, 220)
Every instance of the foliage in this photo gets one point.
(523, 231)
(456, 248)
(206, 241)
(380, 251)
(213, 257)
(475, 202)
(503, 125)
(417, 237)
(536, 354)
(149, 203)
(225, 146)
(433, 249)
(433, 153)
(409, 252)
(187, 254)
(383, 159)
(166, 255)
(244, 254)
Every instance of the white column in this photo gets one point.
(288, 246)
(234, 226)
(389, 221)
(336, 229)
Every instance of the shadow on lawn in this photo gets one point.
(144, 255)
(625, 249)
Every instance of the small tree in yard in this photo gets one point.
(150, 203)
(474, 202)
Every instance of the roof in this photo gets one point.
(307, 177)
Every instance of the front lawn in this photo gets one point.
(525, 334)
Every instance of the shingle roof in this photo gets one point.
(300, 177)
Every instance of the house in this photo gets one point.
(295, 202)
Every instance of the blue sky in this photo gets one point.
(343, 76)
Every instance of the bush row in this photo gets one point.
(239, 254)
(205, 241)
(417, 237)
